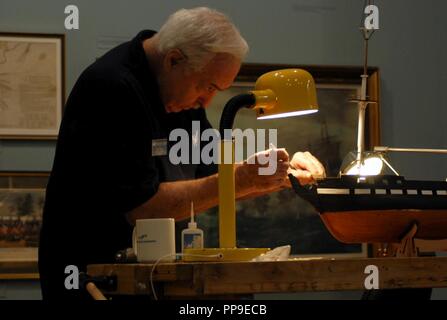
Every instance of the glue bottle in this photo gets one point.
(192, 238)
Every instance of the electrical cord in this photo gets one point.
(220, 255)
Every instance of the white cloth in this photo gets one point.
(278, 254)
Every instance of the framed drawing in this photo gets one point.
(22, 197)
(283, 218)
(31, 85)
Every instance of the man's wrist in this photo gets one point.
(244, 187)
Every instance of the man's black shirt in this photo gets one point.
(104, 167)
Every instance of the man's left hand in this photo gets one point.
(306, 168)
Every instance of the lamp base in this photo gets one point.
(222, 254)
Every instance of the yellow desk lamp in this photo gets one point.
(277, 94)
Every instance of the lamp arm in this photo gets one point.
(245, 100)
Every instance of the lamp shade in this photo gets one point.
(285, 93)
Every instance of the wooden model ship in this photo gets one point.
(378, 209)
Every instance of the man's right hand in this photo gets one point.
(249, 181)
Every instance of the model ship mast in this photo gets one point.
(358, 166)
(363, 102)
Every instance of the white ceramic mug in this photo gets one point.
(154, 239)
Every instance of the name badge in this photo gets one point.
(159, 147)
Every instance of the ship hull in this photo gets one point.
(378, 209)
(381, 226)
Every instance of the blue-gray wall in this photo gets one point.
(409, 49)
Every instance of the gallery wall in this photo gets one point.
(408, 49)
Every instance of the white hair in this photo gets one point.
(201, 33)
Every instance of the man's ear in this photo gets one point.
(173, 58)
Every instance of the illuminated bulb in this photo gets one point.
(370, 167)
(287, 114)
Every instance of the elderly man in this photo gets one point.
(105, 176)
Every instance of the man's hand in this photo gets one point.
(250, 182)
(306, 168)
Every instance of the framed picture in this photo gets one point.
(282, 218)
(31, 85)
(22, 197)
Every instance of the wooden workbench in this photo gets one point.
(200, 279)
